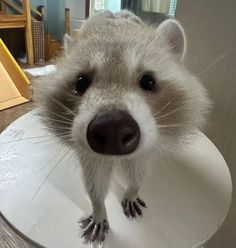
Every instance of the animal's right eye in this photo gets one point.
(148, 83)
(82, 83)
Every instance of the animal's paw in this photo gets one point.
(132, 206)
(94, 230)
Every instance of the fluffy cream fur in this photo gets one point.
(115, 50)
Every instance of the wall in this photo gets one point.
(36, 3)
(211, 32)
(54, 16)
(77, 12)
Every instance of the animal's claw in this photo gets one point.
(94, 231)
(133, 207)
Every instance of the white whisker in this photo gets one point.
(169, 113)
(63, 117)
(62, 105)
(71, 162)
(163, 107)
(57, 120)
(213, 64)
(44, 141)
(58, 128)
(27, 138)
(50, 172)
(171, 125)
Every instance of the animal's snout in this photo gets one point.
(114, 132)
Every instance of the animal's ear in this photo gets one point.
(174, 35)
(68, 41)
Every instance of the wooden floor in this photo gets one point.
(8, 238)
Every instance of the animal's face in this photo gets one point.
(121, 88)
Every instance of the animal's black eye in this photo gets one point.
(81, 84)
(148, 83)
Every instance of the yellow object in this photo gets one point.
(14, 85)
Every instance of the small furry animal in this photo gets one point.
(120, 97)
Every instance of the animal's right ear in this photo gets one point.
(175, 36)
(68, 41)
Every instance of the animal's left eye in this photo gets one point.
(148, 83)
(82, 83)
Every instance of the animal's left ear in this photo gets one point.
(174, 35)
(68, 41)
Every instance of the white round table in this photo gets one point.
(42, 195)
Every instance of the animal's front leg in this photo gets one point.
(132, 203)
(97, 178)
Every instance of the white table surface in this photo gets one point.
(42, 195)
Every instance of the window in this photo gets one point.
(113, 5)
(172, 8)
(152, 6)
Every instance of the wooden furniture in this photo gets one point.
(22, 20)
(52, 46)
(67, 20)
(14, 83)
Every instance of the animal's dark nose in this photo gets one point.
(114, 132)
